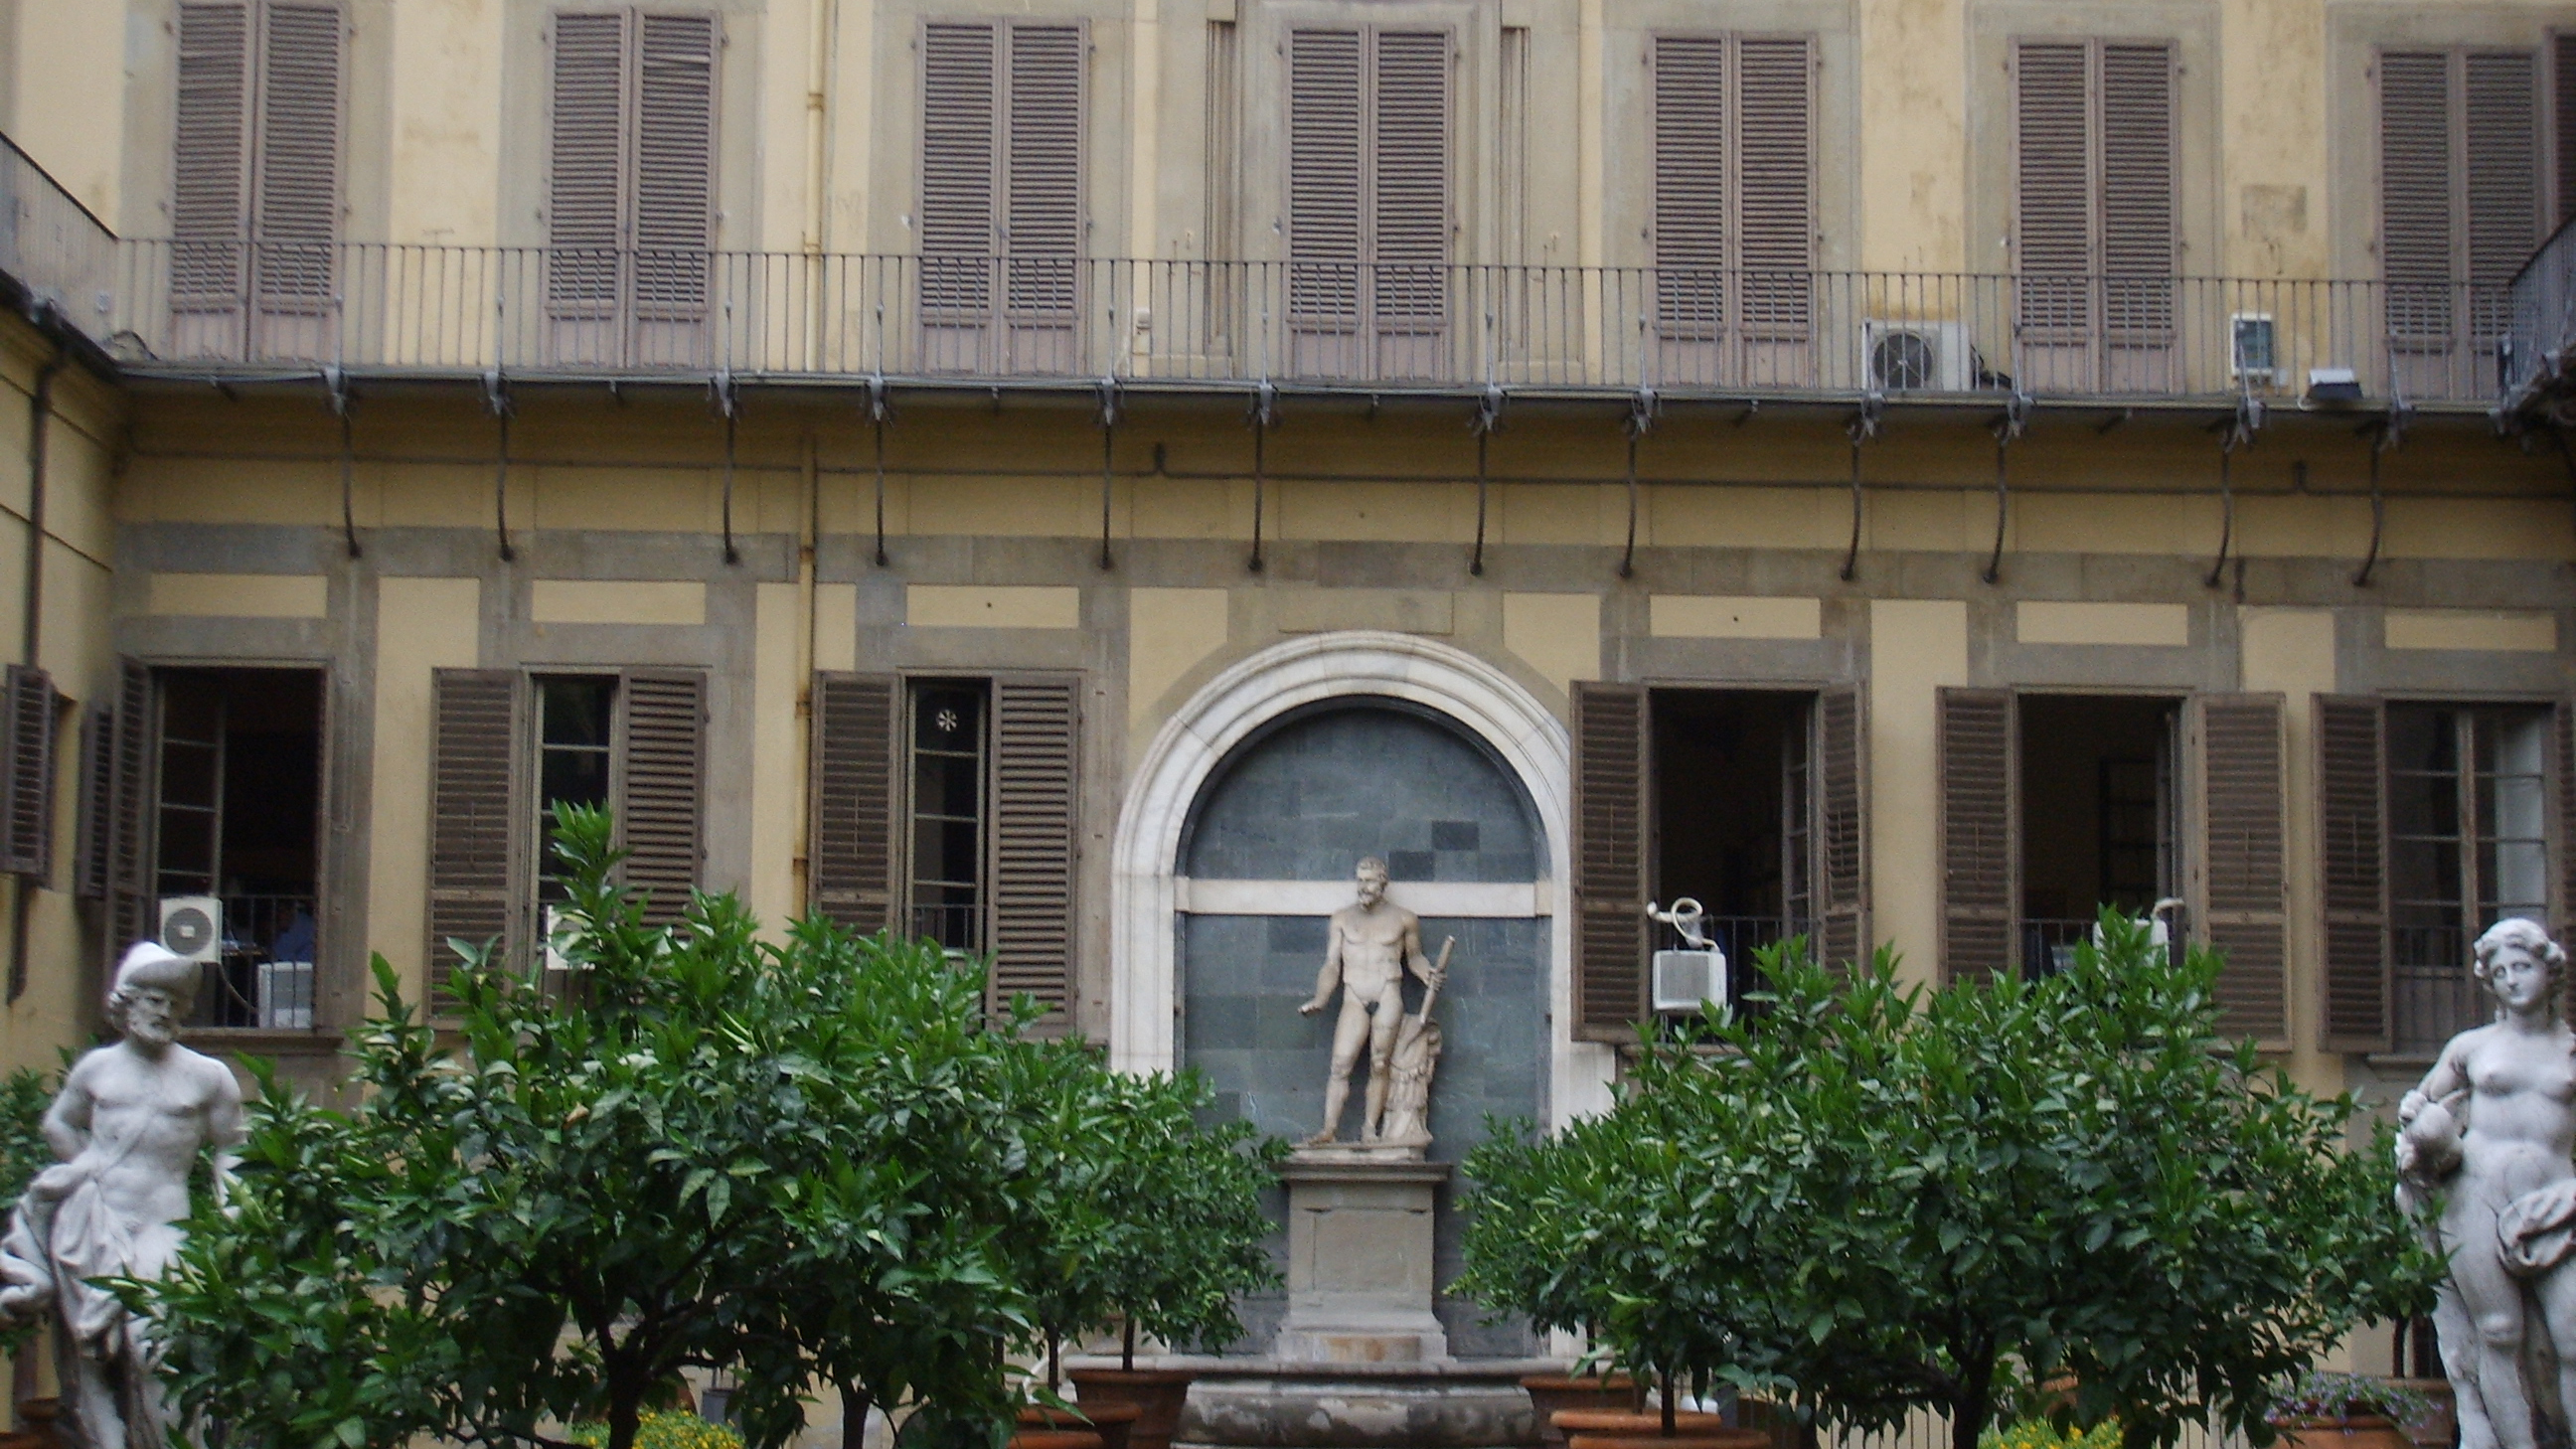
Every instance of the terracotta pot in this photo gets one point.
(2359, 1432)
(1113, 1423)
(2440, 1426)
(1158, 1395)
(1055, 1439)
(1553, 1394)
(1715, 1438)
(1624, 1423)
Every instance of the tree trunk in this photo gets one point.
(854, 1417)
(626, 1411)
(1055, 1362)
(1974, 1404)
(1672, 1421)
(1127, 1345)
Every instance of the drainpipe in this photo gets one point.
(40, 412)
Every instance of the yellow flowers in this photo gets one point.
(2041, 1434)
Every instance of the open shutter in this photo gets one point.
(1324, 146)
(1980, 841)
(2053, 187)
(959, 165)
(2562, 120)
(128, 895)
(472, 823)
(1611, 777)
(2240, 907)
(675, 160)
(662, 765)
(1042, 218)
(1037, 755)
(295, 220)
(2415, 248)
(2138, 188)
(1842, 844)
(27, 790)
(1690, 154)
(2352, 845)
(210, 161)
(98, 785)
(2500, 118)
(1409, 178)
(853, 866)
(2566, 841)
(586, 169)
(1775, 170)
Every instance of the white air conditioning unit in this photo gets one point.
(1687, 980)
(1918, 356)
(560, 920)
(286, 995)
(192, 927)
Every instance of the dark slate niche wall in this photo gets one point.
(1305, 802)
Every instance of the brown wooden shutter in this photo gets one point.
(1037, 758)
(1042, 161)
(1324, 174)
(661, 791)
(1409, 177)
(1978, 765)
(2053, 186)
(2137, 226)
(295, 221)
(2352, 844)
(2241, 905)
(675, 161)
(960, 157)
(473, 820)
(1612, 775)
(2500, 116)
(2415, 246)
(1842, 842)
(1775, 181)
(1690, 158)
(27, 707)
(2562, 120)
(210, 162)
(587, 164)
(854, 789)
(98, 786)
(128, 894)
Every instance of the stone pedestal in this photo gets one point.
(1359, 1259)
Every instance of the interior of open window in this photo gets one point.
(2099, 816)
(1732, 817)
(2467, 845)
(946, 866)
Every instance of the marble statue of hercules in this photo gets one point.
(1373, 943)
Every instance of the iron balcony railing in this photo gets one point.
(2537, 355)
(65, 258)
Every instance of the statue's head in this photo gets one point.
(2518, 964)
(154, 988)
(1372, 880)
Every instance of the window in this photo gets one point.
(1368, 201)
(210, 784)
(255, 177)
(1734, 224)
(972, 841)
(2053, 806)
(1747, 801)
(2436, 825)
(508, 746)
(630, 206)
(2461, 200)
(2094, 233)
(1001, 194)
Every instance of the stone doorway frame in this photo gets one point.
(1144, 1023)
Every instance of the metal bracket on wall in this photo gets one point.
(343, 404)
(2007, 430)
(728, 401)
(1108, 446)
(496, 396)
(1641, 420)
(1862, 428)
(1265, 415)
(876, 422)
(1489, 416)
(2239, 430)
(2386, 436)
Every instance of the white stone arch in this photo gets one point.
(1145, 855)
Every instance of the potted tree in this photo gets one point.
(2322, 1410)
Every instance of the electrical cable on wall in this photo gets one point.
(2385, 437)
(2240, 431)
(1862, 428)
(1641, 418)
(2007, 429)
(877, 422)
(728, 403)
(343, 403)
(1264, 414)
(496, 396)
(1489, 416)
(1108, 450)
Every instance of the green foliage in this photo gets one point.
(1869, 1198)
(25, 1094)
(2044, 1434)
(2318, 1394)
(662, 1430)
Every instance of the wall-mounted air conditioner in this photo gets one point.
(192, 927)
(1918, 356)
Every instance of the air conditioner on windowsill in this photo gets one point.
(1918, 356)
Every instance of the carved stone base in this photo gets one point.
(1359, 1258)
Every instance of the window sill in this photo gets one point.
(258, 1039)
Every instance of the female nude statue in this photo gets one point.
(2485, 1142)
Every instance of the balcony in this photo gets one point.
(2539, 347)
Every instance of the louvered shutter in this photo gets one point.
(27, 703)
(473, 822)
(295, 221)
(1690, 156)
(1324, 176)
(675, 159)
(2053, 187)
(2500, 118)
(2352, 849)
(210, 172)
(852, 869)
(98, 786)
(1037, 755)
(1611, 778)
(661, 790)
(1775, 170)
(1980, 836)
(2566, 841)
(1842, 843)
(1042, 218)
(587, 165)
(2562, 119)
(2137, 226)
(1409, 181)
(959, 165)
(127, 895)
(2240, 908)
(2415, 245)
